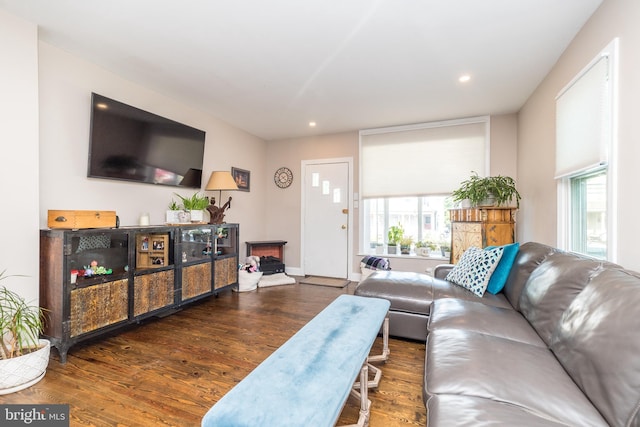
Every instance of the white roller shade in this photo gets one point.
(582, 128)
(422, 159)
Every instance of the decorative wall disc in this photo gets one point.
(283, 177)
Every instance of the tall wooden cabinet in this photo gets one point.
(135, 273)
(481, 227)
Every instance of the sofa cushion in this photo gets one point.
(477, 317)
(598, 344)
(529, 257)
(473, 364)
(501, 273)
(442, 289)
(469, 411)
(474, 269)
(552, 287)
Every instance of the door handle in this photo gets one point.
(344, 227)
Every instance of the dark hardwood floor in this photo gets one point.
(170, 371)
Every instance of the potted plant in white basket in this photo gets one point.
(195, 205)
(175, 214)
(24, 356)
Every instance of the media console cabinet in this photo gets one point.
(137, 273)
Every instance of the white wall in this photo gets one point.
(45, 106)
(536, 127)
(66, 83)
(19, 153)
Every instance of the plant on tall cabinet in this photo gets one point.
(24, 357)
(487, 191)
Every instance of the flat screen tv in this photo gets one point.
(130, 144)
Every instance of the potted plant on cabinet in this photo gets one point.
(195, 205)
(394, 235)
(487, 191)
(24, 357)
(175, 215)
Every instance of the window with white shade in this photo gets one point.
(585, 158)
(408, 172)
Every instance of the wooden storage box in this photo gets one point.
(81, 219)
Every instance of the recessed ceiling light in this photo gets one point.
(312, 124)
(464, 78)
(102, 106)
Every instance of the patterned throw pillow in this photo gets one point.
(474, 269)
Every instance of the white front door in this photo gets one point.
(326, 217)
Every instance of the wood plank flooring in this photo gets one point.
(170, 371)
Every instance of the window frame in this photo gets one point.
(363, 243)
(565, 194)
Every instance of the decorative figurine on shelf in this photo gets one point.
(94, 269)
(217, 213)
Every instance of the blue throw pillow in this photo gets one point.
(501, 273)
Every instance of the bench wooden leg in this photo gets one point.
(385, 344)
(375, 382)
(363, 395)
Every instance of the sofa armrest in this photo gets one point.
(441, 271)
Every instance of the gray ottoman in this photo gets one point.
(411, 295)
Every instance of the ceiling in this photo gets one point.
(271, 67)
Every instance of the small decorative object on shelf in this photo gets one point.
(216, 214)
(94, 269)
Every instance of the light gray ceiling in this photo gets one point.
(270, 67)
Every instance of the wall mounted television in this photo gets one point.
(130, 144)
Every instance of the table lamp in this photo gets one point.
(219, 180)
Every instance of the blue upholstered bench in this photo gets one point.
(307, 381)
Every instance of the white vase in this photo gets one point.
(24, 371)
(172, 217)
(197, 216)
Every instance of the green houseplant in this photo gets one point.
(394, 236)
(175, 214)
(487, 191)
(196, 204)
(445, 249)
(405, 245)
(23, 355)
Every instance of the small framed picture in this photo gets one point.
(242, 178)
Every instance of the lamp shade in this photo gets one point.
(221, 180)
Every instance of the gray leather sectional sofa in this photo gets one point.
(559, 346)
